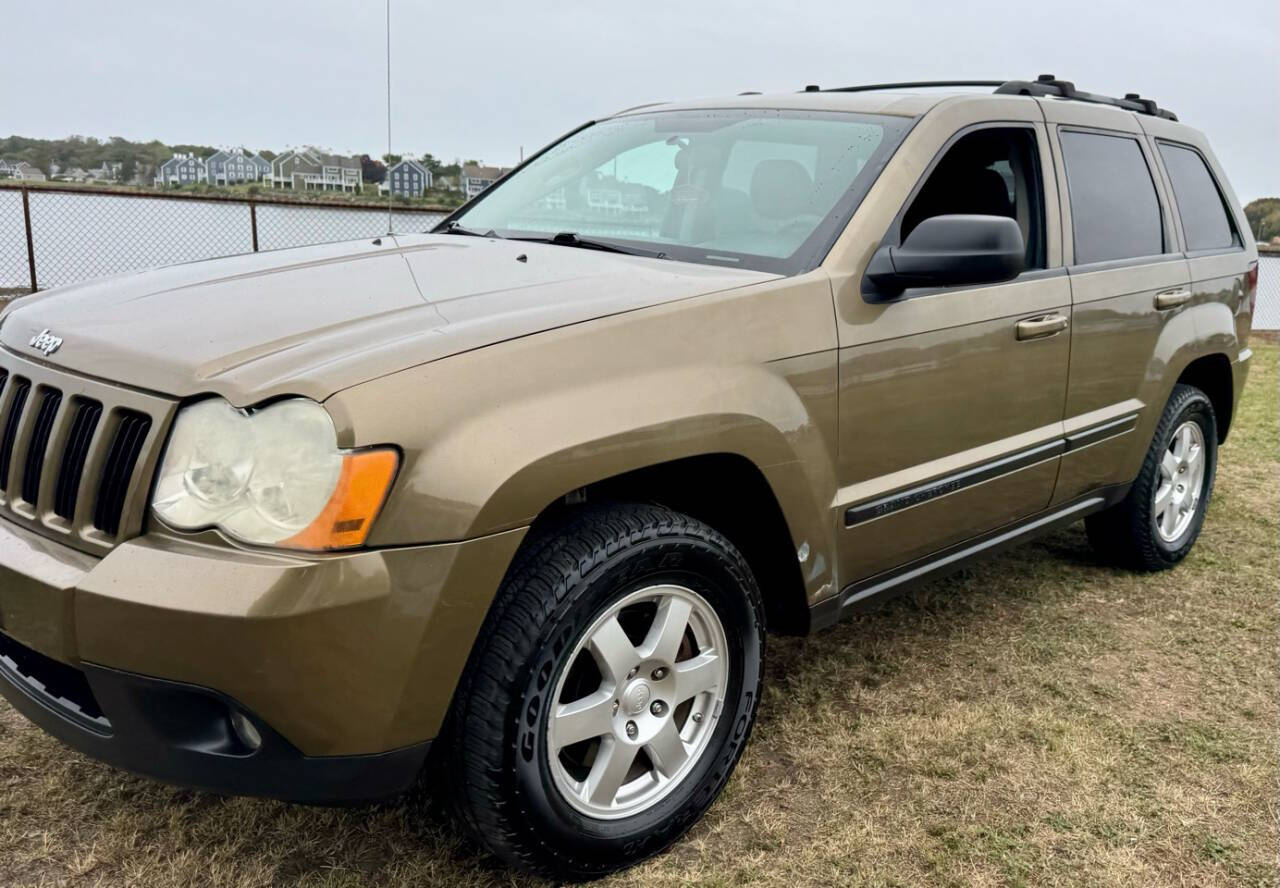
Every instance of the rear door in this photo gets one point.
(1209, 220)
(1128, 278)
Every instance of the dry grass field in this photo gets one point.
(1040, 719)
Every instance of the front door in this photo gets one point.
(951, 399)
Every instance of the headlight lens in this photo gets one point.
(271, 477)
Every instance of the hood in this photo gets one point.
(315, 320)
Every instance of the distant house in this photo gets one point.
(308, 169)
(475, 178)
(182, 169)
(74, 174)
(6, 168)
(231, 167)
(108, 172)
(26, 172)
(263, 167)
(408, 178)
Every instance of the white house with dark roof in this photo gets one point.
(408, 178)
(476, 178)
(26, 172)
(312, 169)
(182, 169)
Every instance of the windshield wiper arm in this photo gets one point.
(456, 227)
(573, 239)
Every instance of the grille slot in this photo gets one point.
(126, 446)
(74, 456)
(34, 467)
(21, 388)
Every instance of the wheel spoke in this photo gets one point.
(592, 716)
(613, 761)
(1185, 442)
(667, 631)
(702, 673)
(1164, 497)
(1169, 465)
(613, 651)
(667, 751)
(1169, 520)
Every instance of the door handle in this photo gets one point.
(1042, 326)
(1172, 298)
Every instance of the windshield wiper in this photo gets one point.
(456, 227)
(573, 239)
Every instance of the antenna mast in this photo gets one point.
(386, 176)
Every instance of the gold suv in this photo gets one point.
(529, 490)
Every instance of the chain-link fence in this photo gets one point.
(1266, 314)
(55, 236)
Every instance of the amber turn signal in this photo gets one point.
(347, 519)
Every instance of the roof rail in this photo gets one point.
(908, 84)
(1044, 85)
(1048, 85)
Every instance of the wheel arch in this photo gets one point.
(728, 492)
(1212, 374)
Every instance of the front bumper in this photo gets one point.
(183, 734)
(344, 665)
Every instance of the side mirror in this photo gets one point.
(944, 251)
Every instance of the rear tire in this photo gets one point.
(1157, 523)
(644, 625)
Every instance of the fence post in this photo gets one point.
(31, 253)
(253, 222)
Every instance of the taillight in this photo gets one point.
(1251, 284)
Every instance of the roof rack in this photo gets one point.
(1048, 85)
(1044, 85)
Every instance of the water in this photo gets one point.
(77, 237)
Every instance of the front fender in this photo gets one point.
(494, 436)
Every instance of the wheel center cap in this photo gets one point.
(635, 699)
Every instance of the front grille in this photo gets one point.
(76, 455)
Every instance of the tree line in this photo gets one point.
(1264, 218)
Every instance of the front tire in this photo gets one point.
(1157, 523)
(611, 692)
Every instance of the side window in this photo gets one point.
(990, 172)
(1115, 213)
(1200, 204)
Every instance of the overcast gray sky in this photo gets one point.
(482, 80)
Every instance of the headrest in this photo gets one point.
(780, 189)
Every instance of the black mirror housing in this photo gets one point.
(947, 251)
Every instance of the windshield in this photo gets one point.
(762, 189)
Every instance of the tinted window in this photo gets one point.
(1115, 213)
(1204, 217)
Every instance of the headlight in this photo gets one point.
(271, 477)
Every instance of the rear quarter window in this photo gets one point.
(1205, 223)
(1115, 213)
